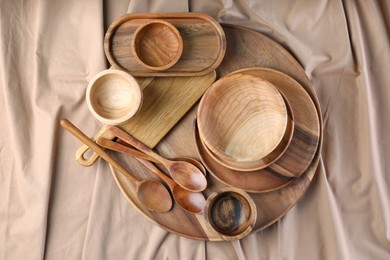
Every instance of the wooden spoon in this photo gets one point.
(140, 155)
(185, 174)
(152, 194)
(193, 202)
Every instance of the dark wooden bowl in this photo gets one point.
(231, 212)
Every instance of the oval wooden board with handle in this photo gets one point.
(204, 44)
(246, 48)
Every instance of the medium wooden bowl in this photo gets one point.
(113, 96)
(242, 118)
(268, 159)
(157, 45)
(230, 212)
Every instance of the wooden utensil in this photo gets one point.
(113, 96)
(165, 101)
(140, 155)
(192, 202)
(272, 157)
(203, 39)
(185, 174)
(231, 212)
(194, 162)
(150, 193)
(157, 45)
(242, 118)
(247, 48)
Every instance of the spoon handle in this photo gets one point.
(141, 157)
(134, 142)
(94, 147)
(122, 148)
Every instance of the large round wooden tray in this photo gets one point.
(245, 48)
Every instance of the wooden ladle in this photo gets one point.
(152, 194)
(193, 202)
(183, 173)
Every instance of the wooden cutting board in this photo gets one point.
(245, 48)
(165, 102)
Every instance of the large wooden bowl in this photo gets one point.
(242, 118)
(113, 97)
(269, 159)
(157, 45)
(305, 139)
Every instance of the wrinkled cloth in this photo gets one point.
(51, 207)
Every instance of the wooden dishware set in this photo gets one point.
(212, 132)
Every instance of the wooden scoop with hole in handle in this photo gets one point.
(193, 202)
(152, 194)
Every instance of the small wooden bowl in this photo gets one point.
(242, 118)
(230, 212)
(157, 45)
(268, 159)
(113, 96)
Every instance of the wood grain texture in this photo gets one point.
(257, 181)
(305, 139)
(165, 101)
(113, 96)
(157, 45)
(204, 44)
(185, 174)
(246, 49)
(253, 166)
(193, 202)
(273, 204)
(230, 212)
(242, 118)
(151, 193)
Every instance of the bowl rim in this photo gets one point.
(132, 84)
(251, 219)
(169, 26)
(258, 164)
(221, 173)
(219, 84)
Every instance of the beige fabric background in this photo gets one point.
(53, 208)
